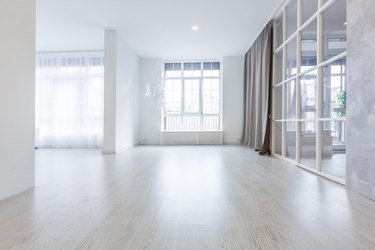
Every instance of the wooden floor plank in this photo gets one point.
(185, 197)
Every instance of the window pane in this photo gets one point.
(333, 148)
(308, 95)
(334, 29)
(169, 67)
(309, 7)
(291, 140)
(279, 30)
(191, 96)
(211, 69)
(173, 70)
(308, 144)
(278, 138)
(278, 102)
(196, 66)
(207, 66)
(215, 73)
(173, 96)
(291, 100)
(215, 69)
(192, 69)
(279, 67)
(188, 66)
(177, 66)
(309, 47)
(211, 96)
(192, 103)
(70, 87)
(169, 74)
(207, 69)
(216, 66)
(292, 58)
(334, 89)
(291, 15)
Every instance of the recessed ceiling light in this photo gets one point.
(195, 28)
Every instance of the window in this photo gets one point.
(192, 96)
(309, 92)
(69, 100)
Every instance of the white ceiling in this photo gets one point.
(154, 28)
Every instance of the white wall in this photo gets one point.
(121, 94)
(17, 88)
(151, 72)
(110, 75)
(233, 68)
(127, 96)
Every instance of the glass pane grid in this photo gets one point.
(309, 119)
(192, 96)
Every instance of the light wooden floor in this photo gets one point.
(182, 198)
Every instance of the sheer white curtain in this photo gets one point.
(69, 100)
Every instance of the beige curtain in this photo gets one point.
(257, 93)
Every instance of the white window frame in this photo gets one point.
(200, 114)
(317, 16)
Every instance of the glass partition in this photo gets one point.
(309, 109)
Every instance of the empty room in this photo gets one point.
(137, 124)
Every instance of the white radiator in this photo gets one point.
(192, 138)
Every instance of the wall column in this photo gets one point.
(17, 96)
(361, 102)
